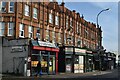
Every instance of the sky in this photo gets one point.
(108, 20)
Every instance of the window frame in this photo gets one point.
(35, 13)
(56, 20)
(27, 11)
(2, 28)
(11, 28)
(12, 7)
(21, 30)
(67, 21)
(30, 32)
(38, 33)
(1, 7)
(50, 18)
(53, 37)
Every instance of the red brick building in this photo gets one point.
(48, 22)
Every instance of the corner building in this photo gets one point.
(52, 33)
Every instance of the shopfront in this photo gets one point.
(47, 54)
(80, 60)
(66, 59)
(89, 61)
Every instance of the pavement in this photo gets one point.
(62, 76)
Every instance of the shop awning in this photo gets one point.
(40, 45)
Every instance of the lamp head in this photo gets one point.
(108, 9)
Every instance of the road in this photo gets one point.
(102, 75)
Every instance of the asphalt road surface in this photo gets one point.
(99, 75)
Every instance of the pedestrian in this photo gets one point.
(38, 68)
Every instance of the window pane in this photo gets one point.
(26, 10)
(2, 27)
(11, 3)
(3, 4)
(21, 30)
(34, 12)
(3, 8)
(10, 29)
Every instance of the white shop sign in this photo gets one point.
(47, 44)
(17, 49)
(80, 50)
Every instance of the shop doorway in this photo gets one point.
(52, 64)
(44, 63)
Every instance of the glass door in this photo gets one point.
(52, 64)
(44, 63)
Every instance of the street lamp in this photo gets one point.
(99, 36)
(100, 13)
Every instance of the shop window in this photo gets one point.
(10, 29)
(2, 28)
(11, 6)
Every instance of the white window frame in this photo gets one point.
(11, 26)
(59, 38)
(71, 24)
(47, 35)
(30, 32)
(35, 10)
(11, 7)
(27, 10)
(21, 29)
(51, 0)
(77, 27)
(3, 7)
(50, 18)
(38, 34)
(65, 38)
(56, 20)
(66, 21)
(53, 37)
(2, 28)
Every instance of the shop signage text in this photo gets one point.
(47, 44)
(17, 49)
(80, 50)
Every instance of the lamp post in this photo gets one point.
(99, 36)
(100, 13)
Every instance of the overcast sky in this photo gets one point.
(108, 20)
